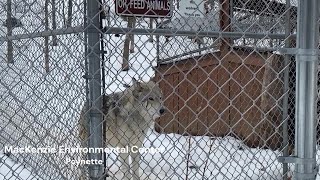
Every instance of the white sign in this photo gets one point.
(192, 8)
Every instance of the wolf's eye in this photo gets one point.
(151, 99)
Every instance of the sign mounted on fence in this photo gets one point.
(192, 8)
(144, 8)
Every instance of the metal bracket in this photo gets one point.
(308, 53)
(92, 29)
(87, 76)
(295, 160)
(312, 175)
(311, 52)
(96, 113)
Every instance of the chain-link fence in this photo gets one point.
(147, 89)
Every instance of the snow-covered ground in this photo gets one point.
(185, 157)
(189, 157)
(10, 169)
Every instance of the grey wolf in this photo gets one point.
(128, 115)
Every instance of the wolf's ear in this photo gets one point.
(126, 85)
(137, 88)
(136, 84)
(134, 80)
(153, 79)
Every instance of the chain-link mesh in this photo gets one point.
(41, 88)
(204, 91)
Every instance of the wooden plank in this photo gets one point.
(249, 58)
(173, 99)
(272, 89)
(268, 77)
(183, 112)
(192, 102)
(237, 56)
(175, 93)
(217, 113)
(250, 113)
(237, 124)
(203, 101)
(166, 85)
(187, 64)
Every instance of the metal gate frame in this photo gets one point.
(306, 94)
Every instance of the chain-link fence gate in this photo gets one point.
(147, 89)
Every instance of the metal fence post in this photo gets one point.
(286, 90)
(95, 100)
(306, 73)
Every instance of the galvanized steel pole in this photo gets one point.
(94, 76)
(285, 129)
(306, 89)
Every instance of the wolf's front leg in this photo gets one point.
(135, 165)
(125, 166)
(137, 143)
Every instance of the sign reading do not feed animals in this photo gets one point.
(145, 8)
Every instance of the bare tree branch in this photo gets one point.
(69, 13)
(54, 22)
(9, 33)
(129, 41)
(46, 39)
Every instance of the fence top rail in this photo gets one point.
(140, 31)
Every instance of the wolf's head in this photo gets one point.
(149, 98)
